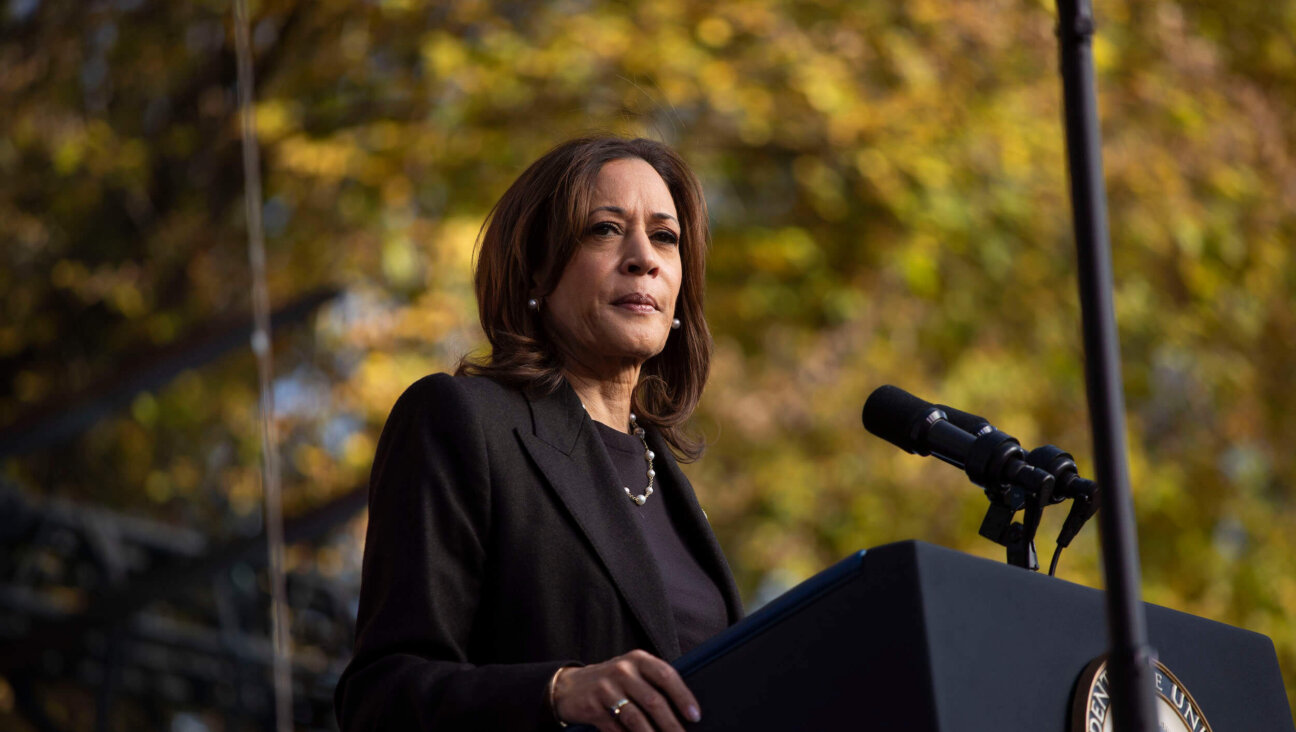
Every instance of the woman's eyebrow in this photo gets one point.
(621, 212)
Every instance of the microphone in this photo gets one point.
(1062, 467)
(1051, 459)
(915, 426)
(993, 460)
(1084, 493)
(1086, 498)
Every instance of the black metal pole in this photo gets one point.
(1129, 662)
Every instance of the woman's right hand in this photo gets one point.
(588, 695)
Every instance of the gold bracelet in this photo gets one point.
(553, 703)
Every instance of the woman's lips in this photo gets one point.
(637, 302)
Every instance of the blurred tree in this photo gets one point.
(888, 195)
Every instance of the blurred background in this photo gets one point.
(888, 195)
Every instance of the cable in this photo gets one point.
(1053, 564)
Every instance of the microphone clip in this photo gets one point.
(997, 463)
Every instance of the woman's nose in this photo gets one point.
(640, 255)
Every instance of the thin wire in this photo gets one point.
(282, 668)
(1053, 564)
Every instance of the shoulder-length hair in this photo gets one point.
(528, 240)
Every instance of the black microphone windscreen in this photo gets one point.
(891, 413)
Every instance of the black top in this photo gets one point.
(695, 600)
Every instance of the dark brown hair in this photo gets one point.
(528, 240)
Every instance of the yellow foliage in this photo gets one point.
(889, 203)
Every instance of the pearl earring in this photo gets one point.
(533, 304)
(675, 324)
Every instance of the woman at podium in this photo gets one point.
(534, 551)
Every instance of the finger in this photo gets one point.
(607, 720)
(664, 676)
(633, 719)
(652, 704)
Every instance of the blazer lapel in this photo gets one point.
(566, 447)
(696, 531)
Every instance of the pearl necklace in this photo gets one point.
(648, 457)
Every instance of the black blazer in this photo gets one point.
(500, 546)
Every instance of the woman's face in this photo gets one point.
(615, 300)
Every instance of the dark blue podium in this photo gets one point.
(915, 637)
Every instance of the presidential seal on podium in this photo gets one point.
(1176, 710)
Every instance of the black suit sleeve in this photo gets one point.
(429, 522)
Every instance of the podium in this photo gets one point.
(914, 637)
